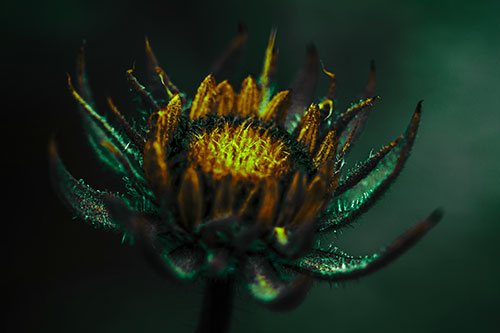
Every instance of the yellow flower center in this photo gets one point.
(242, 151)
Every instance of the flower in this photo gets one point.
(239, 185)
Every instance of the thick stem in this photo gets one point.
(217, 307)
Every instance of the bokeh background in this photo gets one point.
(63, 276)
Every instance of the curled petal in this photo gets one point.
(338, 266)
(267, 285)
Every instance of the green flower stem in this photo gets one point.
(217, 307)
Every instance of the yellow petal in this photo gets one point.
(167, 121)
(224, 98)
(270, 60)
(190, 199)
(247, 102)
(156, 147)
(327, 149)
(308, 128)
(204, 98)
(277, 108)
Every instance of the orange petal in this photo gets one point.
(314, 198)
(204, 98)
(190, 199)
(224, 98)
(269, 201)
(308, 128)
(277, 108)
(224, 198)
(247, 102)
(167, 121)
(327, 149)
(293, 198)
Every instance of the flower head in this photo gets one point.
(239, 184)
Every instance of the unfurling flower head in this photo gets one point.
(239, 183)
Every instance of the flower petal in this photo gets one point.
(247, 101)
(338, 266)
(204, 98)
(224, 99)
(277, 109)
(190, 199)
(307, 130)
(268, 69)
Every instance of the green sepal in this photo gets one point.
(354, 201)
(85, 202)
(333, 265)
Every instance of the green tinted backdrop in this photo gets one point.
(67, 277)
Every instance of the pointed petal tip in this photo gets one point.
(436, 216)
(419, 106)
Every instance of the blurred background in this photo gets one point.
(63, 276)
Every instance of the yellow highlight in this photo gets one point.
(269, 63)
(242, 151)
(263, 288)
(281, 235)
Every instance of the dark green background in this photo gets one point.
(66, 277)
